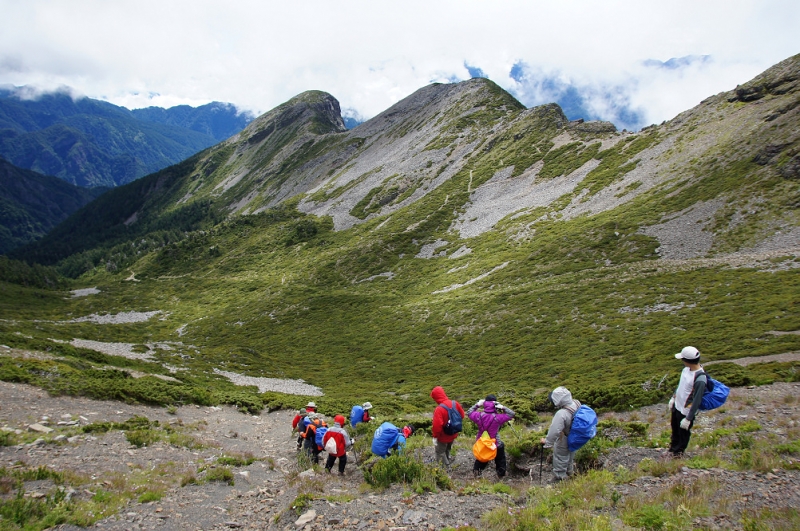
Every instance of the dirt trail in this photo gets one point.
(263, 491)
(782, 358)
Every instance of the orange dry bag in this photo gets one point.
(485, 448)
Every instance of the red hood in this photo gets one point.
(438, 394)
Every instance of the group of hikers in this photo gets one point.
(572, 426)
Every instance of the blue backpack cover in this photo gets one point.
(385, 437)
(584, 427)
(320, 436)
(356, 415)
(454, 421)
(715, 395)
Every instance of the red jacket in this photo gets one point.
(340, 436)
(440, 415)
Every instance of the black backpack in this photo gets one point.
(454, 422)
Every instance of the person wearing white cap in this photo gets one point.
(360, 414)
(300, 422)
(685, 402)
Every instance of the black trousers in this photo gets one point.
(680, 437)
(342, 462)
(310, 447)
(499, 461)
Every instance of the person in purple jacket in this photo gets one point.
(489, 415)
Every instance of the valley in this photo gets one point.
(456, 239)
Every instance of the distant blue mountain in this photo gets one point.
(675, 63)
(90, 142)
(217, 120)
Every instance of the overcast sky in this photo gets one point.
(601, 59)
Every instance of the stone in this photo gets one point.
(306, 518)
(414, 517)
(38, 428)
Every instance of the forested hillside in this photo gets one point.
(93, 143)
(31, 204)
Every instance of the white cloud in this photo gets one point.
(369, 55)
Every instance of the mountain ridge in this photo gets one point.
(463, 234)
(95, 143)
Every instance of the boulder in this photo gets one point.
(306, 518)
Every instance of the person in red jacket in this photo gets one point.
(343, 442)
(300, 422)
(443, 441)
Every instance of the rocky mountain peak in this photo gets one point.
(313, 110)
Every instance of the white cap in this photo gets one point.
(367, 405)
(311, 404)
(688, 353)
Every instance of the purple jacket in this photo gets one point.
(489, 419)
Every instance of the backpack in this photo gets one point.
(321, 430)
(331, 447)
(356, 415)
(454, 421)
(715, 395)
(584, 427)
(385, 437)
(485, 448)
(311, 426)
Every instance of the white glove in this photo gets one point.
(671, 404)
(480, 402)
(435, 441)
(685, 424)
(498, 406)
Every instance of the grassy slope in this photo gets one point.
(582, 303)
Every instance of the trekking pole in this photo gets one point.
(541, 462)
(516, 434)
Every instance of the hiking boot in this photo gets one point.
(555, 480)
(477, 473)
(341, 472)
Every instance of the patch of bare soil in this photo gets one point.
(744, 362)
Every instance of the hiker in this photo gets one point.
(489, 415)
(444, 429)
(563, 465)
(300, 422)
(337, 448)
(390, 439)
(360, 414)
(685, 402)
(311, 445)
